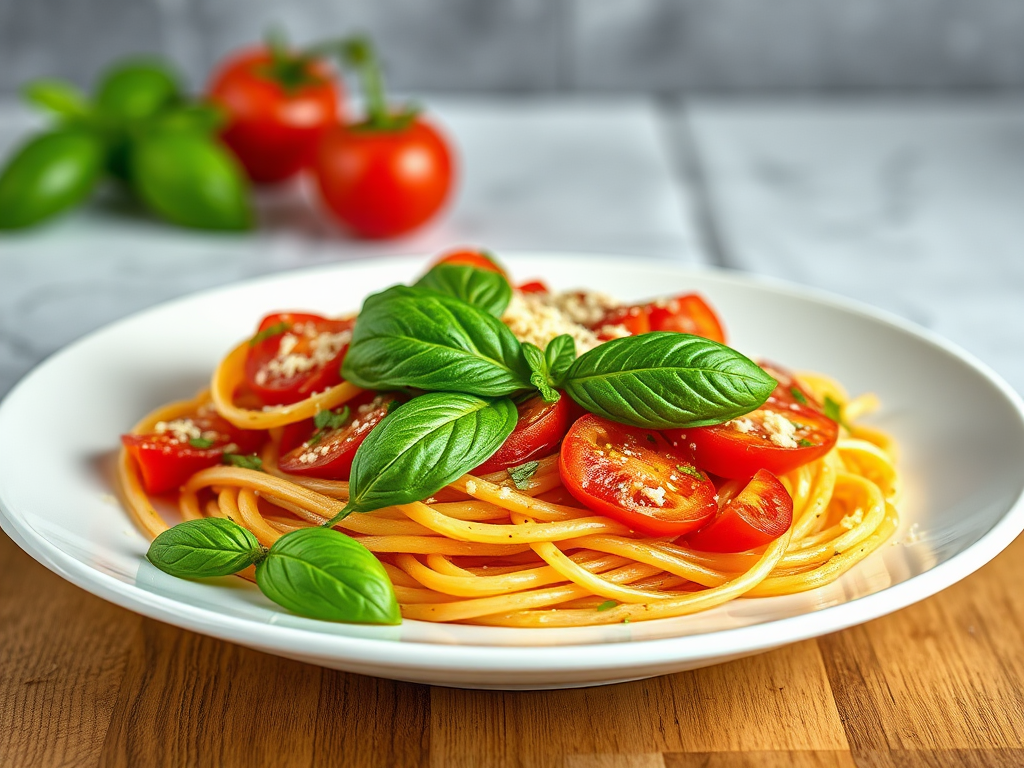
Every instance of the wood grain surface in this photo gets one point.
(84, 683)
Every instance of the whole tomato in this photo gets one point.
(389, 173)
(278, 104)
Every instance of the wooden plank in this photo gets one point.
(62, 657)
(778, 759)
(734, 706)
(944, 674)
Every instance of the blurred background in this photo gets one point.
(872, 148)
(666, 47)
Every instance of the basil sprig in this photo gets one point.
(482, 288)
(665, 379)
(423, 445)
(415, 337)
(314, 572)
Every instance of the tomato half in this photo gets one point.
(634, 476)
(277, 110)
(471, 257)
(296, 355)
(686, 314)
(749, 516)
(384, 182)
(780, 436)
(180, 448)
(328, 454)
(540, 428)
(534, 286)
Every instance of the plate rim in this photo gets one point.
(475, 658)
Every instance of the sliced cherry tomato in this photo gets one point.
(180, 448)
(686, 314)
(634, 476)
(780, 436)
(296, 355)
(635, 319)
(328, 453)
(471, 257)
(534, 286)
(749, 516)
(278, 105)
(540, 428)
(295, 434)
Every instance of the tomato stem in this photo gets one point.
(358, 53)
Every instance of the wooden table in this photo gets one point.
(85, 683)
(879, 201)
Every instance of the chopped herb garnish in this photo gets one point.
(270, 332)
(251, 461)
(606, 605)
(834, 411)
(331, 419)
(650, 439)
(799, 396)
(805, 443)
(625, 621)
(200, 442)
(686, 469)
(521, 475)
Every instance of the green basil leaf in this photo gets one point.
(411, 337)
(425, 444)
(560, 354)
(331, 419)
(270, 332)
(521, 475)
(327, 575)
(212, 546)
(666, 379)
(482, 288)
(539, 376)
(834, 410)
(250, 461)
(59, 97)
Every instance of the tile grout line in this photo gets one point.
(689, 171)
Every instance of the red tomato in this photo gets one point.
(540, 428)
(470, 257)
(277, 110)
(780, 436)
(383, 182)
(686, 314)
(295, 356)
(534, 286)
(634, 476)
(634, 319)
(182, 447)
(748, 516)
(328, 453)
(789, 389)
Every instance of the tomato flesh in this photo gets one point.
(534, 286)
(540, 428)
(328, 455)
(686, 314)
(180, 448)
(780, 436)
(634, 476)
(301, 356)
(272, 129)
(471, 257)
(749, 516)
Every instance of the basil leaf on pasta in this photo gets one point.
(539, 375)
(412, 337)
(482, 288)
(212, 546)
(324, 574)
(559, 355)
(425, 444)
(665, 379)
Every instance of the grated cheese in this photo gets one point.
(532, 318)
(657, 495)
(781, 431)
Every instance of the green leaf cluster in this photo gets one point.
(139, 129)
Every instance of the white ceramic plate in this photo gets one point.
(961, 429)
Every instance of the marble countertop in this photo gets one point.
(914, 207)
